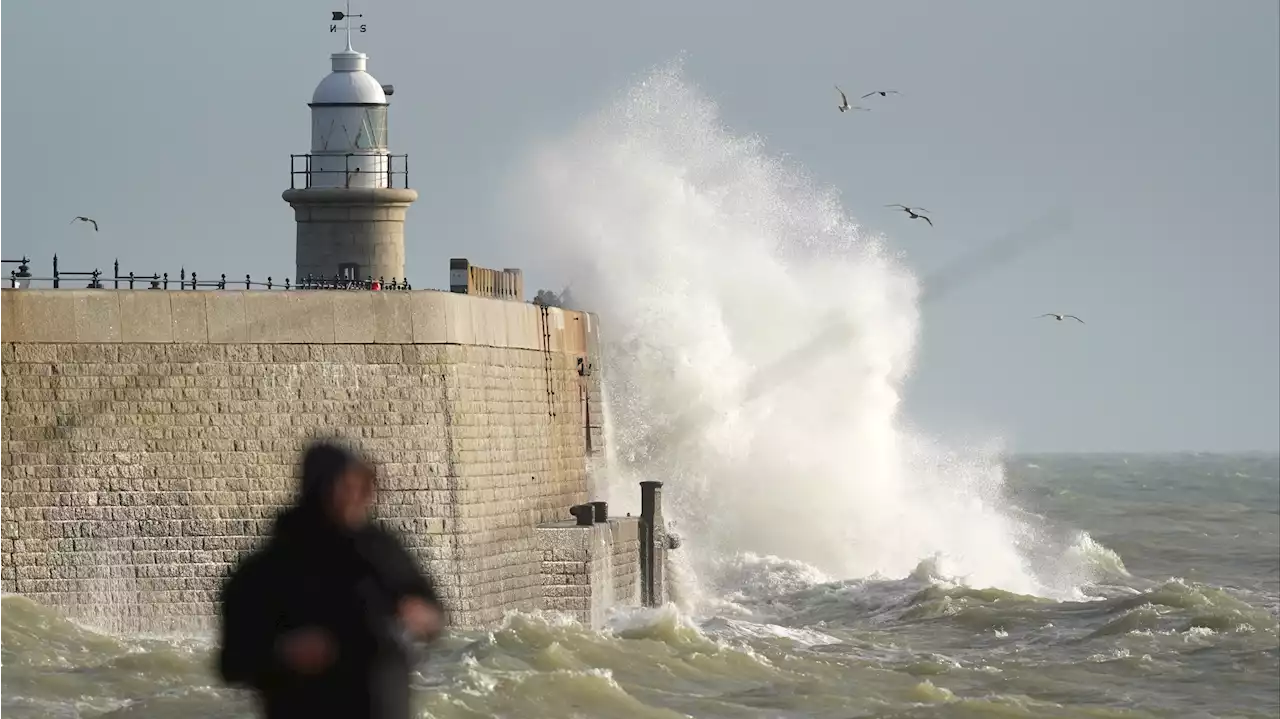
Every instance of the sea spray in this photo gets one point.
(707, 259)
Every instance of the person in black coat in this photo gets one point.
(321, 622)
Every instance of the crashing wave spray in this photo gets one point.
(708, 259)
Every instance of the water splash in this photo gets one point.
(602, 575)
(707, 259)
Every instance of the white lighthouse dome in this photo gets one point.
(349, 83)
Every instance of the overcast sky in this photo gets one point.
(1154, 122)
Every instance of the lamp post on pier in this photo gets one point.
(19, 279)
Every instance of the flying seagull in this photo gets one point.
(844, 102)
(1060, 318)
(914, 212)
(881, 93)
(90, 220)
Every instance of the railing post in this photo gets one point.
(115, 274)
(56, 281)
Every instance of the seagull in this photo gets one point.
(914, 212)
(881, 93)
(90, 220)
(1060, 318)
(844, 102)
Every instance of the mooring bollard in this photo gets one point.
(601, 511)
(584, 513)
(653, 545)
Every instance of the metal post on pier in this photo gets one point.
(653, 546)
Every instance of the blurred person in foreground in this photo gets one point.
(322, 620)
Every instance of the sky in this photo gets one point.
(1154, 123)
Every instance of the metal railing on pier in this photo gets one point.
(96, 279)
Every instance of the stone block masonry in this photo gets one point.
(587, 570)
(149, 438)
(363, 226)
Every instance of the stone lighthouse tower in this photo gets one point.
(350, 194)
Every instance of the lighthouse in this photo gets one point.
(349, 193)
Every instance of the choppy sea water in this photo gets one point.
(1184, 623)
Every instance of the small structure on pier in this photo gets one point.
(468, 279)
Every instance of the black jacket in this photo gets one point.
(310, 574)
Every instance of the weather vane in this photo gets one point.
(340, 16)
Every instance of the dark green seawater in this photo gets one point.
(1182, 622)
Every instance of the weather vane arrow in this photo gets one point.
(338, 16)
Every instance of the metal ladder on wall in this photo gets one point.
(546, 359)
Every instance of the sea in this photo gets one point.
(836, 562)
(1182, 622)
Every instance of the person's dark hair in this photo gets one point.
(323, 462)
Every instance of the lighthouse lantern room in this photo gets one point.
(349, 126)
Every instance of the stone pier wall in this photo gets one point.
(586, 570)
(150, 436)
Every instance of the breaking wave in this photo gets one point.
(709, 259)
